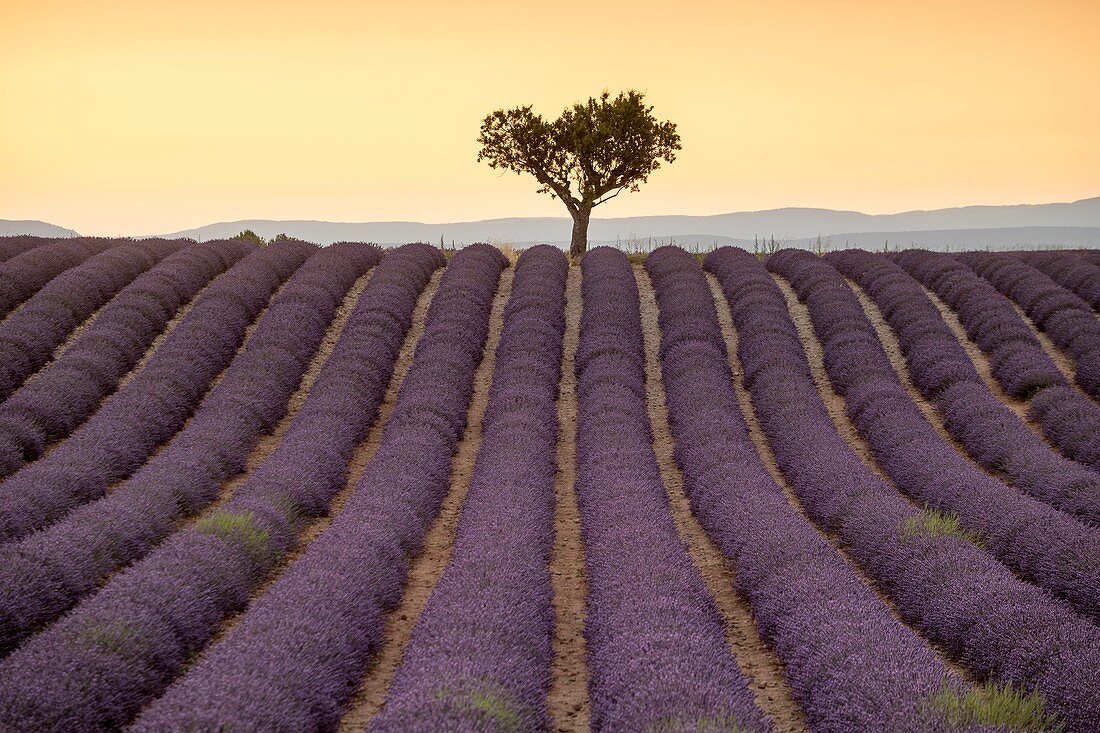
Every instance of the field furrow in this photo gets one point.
(568, 703)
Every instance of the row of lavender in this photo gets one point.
(479, 656)
(13, 245)
(1071, 324)
(22, 275)
(48, 571)
(1076, 273)
(297, 654)
(120, 647)
(1019, 362)
(945, 375)
(1066, 318)
(30, 335)
(657, 654)
(64, 393)
(962, 599)
(153, 405)
(808, 601)
(1039, 543)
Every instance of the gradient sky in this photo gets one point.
(120, 117)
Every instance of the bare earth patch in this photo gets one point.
(568, 697)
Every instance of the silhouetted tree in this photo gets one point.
(590, 154)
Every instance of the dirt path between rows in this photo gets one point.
(760, 665)
(359, 459)
(427, 567)
(768, 457)
(980, 361)
(567, 701)
(269, 442)
(1066, 364)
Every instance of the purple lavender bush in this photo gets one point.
(47, 572)
(479, 656)
(10, 246)
(25, 273)
(1039, 543)
(67, 390)
(991, 433)
(296, 656)
(1067, 319)
(1018, 360)
(657, 654)
(808, 602)
(1073, 273)
(1002, 629)
(29, 337)
(154, 405)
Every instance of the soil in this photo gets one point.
(427, 567)
(760, 665)
(568, 702)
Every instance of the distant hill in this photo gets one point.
(786, 224)
(10, 227)
(1073, 224)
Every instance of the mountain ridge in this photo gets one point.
(793, 224)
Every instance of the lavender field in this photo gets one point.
(346, 488)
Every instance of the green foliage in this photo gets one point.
(237, 528)
(491, 700)
(250, 236)
(994, 705)
(930, 522)
(117, 638)
(590, 154)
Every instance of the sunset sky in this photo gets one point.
(144, 117)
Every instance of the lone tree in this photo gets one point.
(590, 154)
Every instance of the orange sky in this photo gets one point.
(135, 117)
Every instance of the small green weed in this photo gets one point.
(934, 523)
(997, 705)
(237, 528)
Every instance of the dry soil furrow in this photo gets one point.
(729, 332)
(1066, 364)
(426, 568)
(568, 697)
(981, 362)
(758, 662)
(835, 404)
(360, 458)
(267, 443)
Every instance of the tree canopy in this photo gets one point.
(589, 155)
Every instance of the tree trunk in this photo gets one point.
(579, 243)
